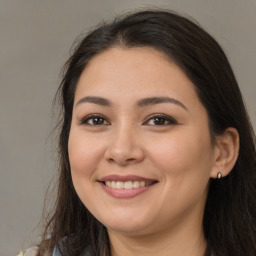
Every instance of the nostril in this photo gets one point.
(122, 161)
(111, 160)
(130, 159)
(125, 156)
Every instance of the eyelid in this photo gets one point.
(86, 118)
(167, 117)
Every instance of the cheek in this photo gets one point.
(183, 155)
(184, 162)
(84, 154)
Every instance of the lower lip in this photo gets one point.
(125, 193)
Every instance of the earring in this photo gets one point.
(219, 175)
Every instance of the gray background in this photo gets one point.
(35, 39)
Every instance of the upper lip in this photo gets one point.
(124, 178)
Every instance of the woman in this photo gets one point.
(157, 153)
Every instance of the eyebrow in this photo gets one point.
(95, 100)
(158, 100)
(141, 103)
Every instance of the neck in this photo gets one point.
(180, 242)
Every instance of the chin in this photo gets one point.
(128, 228)
(125, 222)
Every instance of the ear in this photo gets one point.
(225, 152)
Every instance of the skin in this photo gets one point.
(178, 154)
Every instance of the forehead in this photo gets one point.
(133, 72)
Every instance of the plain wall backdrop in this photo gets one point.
(35, 38)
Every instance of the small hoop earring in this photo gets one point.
(219, 175)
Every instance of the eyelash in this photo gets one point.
(160, 117)
(170, 120)
(85, 120)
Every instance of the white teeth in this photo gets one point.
(127, 184)
(119, 184)
(142, 184)
(113, 184)
(136, 184)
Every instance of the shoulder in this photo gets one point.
(56, 252)
(31, 251)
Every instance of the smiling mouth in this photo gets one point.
(128, 184)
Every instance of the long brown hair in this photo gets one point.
(230, 213)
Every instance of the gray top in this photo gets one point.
(33, 251)
(56, 252)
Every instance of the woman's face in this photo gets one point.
(139, 145)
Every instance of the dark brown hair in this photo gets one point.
(230, 213)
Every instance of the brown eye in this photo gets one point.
(95, 120)
(160, 120)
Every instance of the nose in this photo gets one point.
(124, 147)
